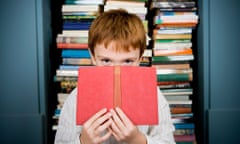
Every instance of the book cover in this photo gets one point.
(175, 77)
(71, 39)
(77, 61)
(178, 110)
(79, 8)
(172, 66)
(77, 26)
(185, 126)
(77, 2)
(133, 89)
(174, 85)
(177, 91)
(171, 45)
(72, 45)
(76, 53)
(173, 4)
(176, 97)
(173, 52)
(169, 59)
(172, 36)
(184, 138)
(184, 132)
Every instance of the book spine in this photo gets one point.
(172, 58)
(75, 53)
(175, 77)
(72, 46)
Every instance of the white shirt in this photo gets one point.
(68, 132)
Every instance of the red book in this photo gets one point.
(132, 88)
(72, 45)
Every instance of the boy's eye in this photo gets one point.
(129, 61)
(105, 61)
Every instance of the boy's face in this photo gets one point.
(110, 57)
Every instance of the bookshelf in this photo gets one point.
(172, 30)
(72, 43)
(71, 21)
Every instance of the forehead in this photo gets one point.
(112, 52)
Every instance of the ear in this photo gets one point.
(92, 58)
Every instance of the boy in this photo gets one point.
(115, 38)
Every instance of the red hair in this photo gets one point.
(124, 29)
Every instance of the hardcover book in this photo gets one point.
(133, 89)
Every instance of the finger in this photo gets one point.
(115, 131)
(117, 121)
(89, 122)
(101, 120)
(104, 137)
(104, 126)
(101, 138)
(125, 120)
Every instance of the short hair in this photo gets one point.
(125, 29)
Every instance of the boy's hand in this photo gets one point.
(93, 129)
(124, 130)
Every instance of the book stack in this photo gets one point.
(139, 8)
(77, 16)
(173, 24)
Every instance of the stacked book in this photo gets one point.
(139, 8)
(173, 24)
(77, 16)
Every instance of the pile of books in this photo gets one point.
(77, 16)
(173, 23)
